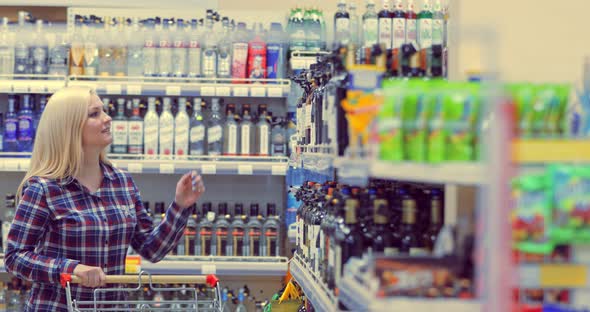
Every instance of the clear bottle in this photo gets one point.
(230, 132)
(209, 57)
(22, 56)
(151, 128)
(9, 212)
(253, 232)
(58, 55)
(150, 50)
(222, 226)
(90, 49)
(271, 232)
(398, 36)
(135, 49)
(205, 231)
(385, 24)
(194, 50)
(120, 126)
(354, 24)
(25, 125)
(11, 127)
(214, 130)
(247, 132)
(136, 127)
(179, 49)
(238, 230)
(297, 30)
(106, 50)
(262, 132)
(164, 50)
(425, 37)
(39, 50)
(197, 132)
(278, 138)
(370, 25)
(166, 129)
(341, 25)
(181, 129)
(6, 48)
(120, 51)
(224, 56)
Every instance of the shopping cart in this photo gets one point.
(190, 303)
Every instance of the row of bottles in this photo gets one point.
(14, 295)
(167, 133)
(17, 129)
(218, 232)
(336, 222)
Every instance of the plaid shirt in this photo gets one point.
(60, 223)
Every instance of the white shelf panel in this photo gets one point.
(222, 266)
(224, 165)
(357, 298)
(315, 291)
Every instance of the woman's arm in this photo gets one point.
(27, 229)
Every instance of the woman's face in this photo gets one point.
(97, 129)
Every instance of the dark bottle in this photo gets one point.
(221, 231)
(271, 232)
(238, 227)
(317, 236)
(254, 231)
(383, 241)
(205, 231)
(431, 233)
(410, 243)
(325, 229)
(399, 37)
(350, 243)
(191, 231)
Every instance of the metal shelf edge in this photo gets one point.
(311, 289)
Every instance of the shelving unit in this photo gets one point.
(25, 84)
(222, 266)
(314, 290)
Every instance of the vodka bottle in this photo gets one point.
(120, 127)
(209, 57)
(166, 130)
(151, 128)
(135, 130)
(247, 132)
(150, 59)
(6, 49)
(135, 50)
(90, 50)
(262, 133)
(194, 50)
(214, 130)
(224, 57)
(58, 55)
(181, 129)
(164, 50)
(25, 125)
(179, 50)
(39, 50)
(197, 132)
(22, 56)
(230, 132)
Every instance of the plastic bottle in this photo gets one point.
(194, 50)
(370, 25)
(6, 49)
(275, 52)
(257, 55)
(297, 30)
(341, 25)
(240, 53)
(179, 50)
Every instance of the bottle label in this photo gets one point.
(166, 136)
(120, 132)
(151, 137)
(181, 138)
(214, 134)
(370, 31)
(197, 134)
(194, 59)
(209, 63)
(135, 134)
(342, 30)
(24, 128)
(254, 240)
(399, 32)
(274, 61)
(437, 31)
(391, 251)
(240, 57)
(206, 234)
(411, 36)
(224, 64)
(11, 126)
(385, 32)
(232, 140)
(425, 33)
(257, 60)
(221, 240)
(263, 148)
(245, 146)
(40, 60)
(238, 241)
(418, 251)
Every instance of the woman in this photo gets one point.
(77, 213)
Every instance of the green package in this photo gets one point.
(570, 194)
(415, 120)
(461, 111)
(523, 95)
(532, 214)
(436, 141)
(389, 123)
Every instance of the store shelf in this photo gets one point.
(26, 84)
(315, 290)
(547, 151)
(357, 298)
(563, 275)
(446, 173)
(203, 87)
(221, 165)
(223, 266)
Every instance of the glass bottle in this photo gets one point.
(205, 232)
(136, 128)
(7, 41)
(254, 231)
(262, 132)
(11, 127)
(120, 127)
(214, 130)
(194, 50)
(25, 125)
(164, 49)
(224, 56)
(39, 50)
(410, 243)
(230, 132)
(341, 25)
(238, 227)
(151, 129)
(370, 26)
(271, 232)
(106, 50)
(22, 56)
(181, 129)
(166, 129)
(58, 55)
(150, 49)
(222, 226)
(385, 24)
(179, 49)
(425, 37)
(247, 133)
(135, 39)
(90, 40)
(431, 234)
(209, 57)
(197, 131)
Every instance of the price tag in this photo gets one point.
(209, 169)
(173, 90)
(20, 87)
(278, 170)
(54, 86)
(298, 63)
(114, 89)
(166, 168)
(38, 88)
(135, 168)
(24, 164)
(207, 91)
(208, 269)
(241, 91)
(245, 169)
(222, 91)
(258, 91)
(275, 92)
(133, 89)
(5, 86)
(11, 165)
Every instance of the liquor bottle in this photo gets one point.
(209, 57)
(197, 132)
(278, 138)
(164, 49)
(351, 245)
(253, 232)
(224, 57)
(166, 130)
(296, 30)
(9, 212)
(181, 129)
(106, 49)
(22, 56)
(383, 240)
(191, 232)
(150, 50)
(214, 130)
(90, 43)
(230, 132)
(240, 53)
(385, 24)
(120, 129)
(25, 125)
(431, 233)
(151, 128)
(399, 37)
(271, 232)
(205, 231)
(410, 51)
(354, 24)
(262, 132)
(58, 55)
(436, 65)
(341, 25)
(120, 50)
(275, 52)
(238, 227)
(7, 41)
(135, 49)
(221, 228)
(257, 55)
(136, 127)
(179, 50)
(194, 50)
(39, 50)
(410, 243)
(425, 37)
(247, 133)
(370, 26)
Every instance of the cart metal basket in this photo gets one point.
(191, 302)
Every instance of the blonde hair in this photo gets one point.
(57, 152)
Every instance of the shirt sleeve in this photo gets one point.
(28, 228)
(154, 242)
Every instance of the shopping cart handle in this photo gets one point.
(212, 280)
(146, 279)
(64, 279)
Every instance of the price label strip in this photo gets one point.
(5, 86)
(207, 91)
(20, 87)
(166, 168)
(209, 169)
(114, 89)
(134, 90)
(241, 91)
(275, 92)
(38, 88)
(173, 90)
(135, 168)
(208, 269)
(278, 170)
(245, 169)
(222, 91)
(258, 91)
